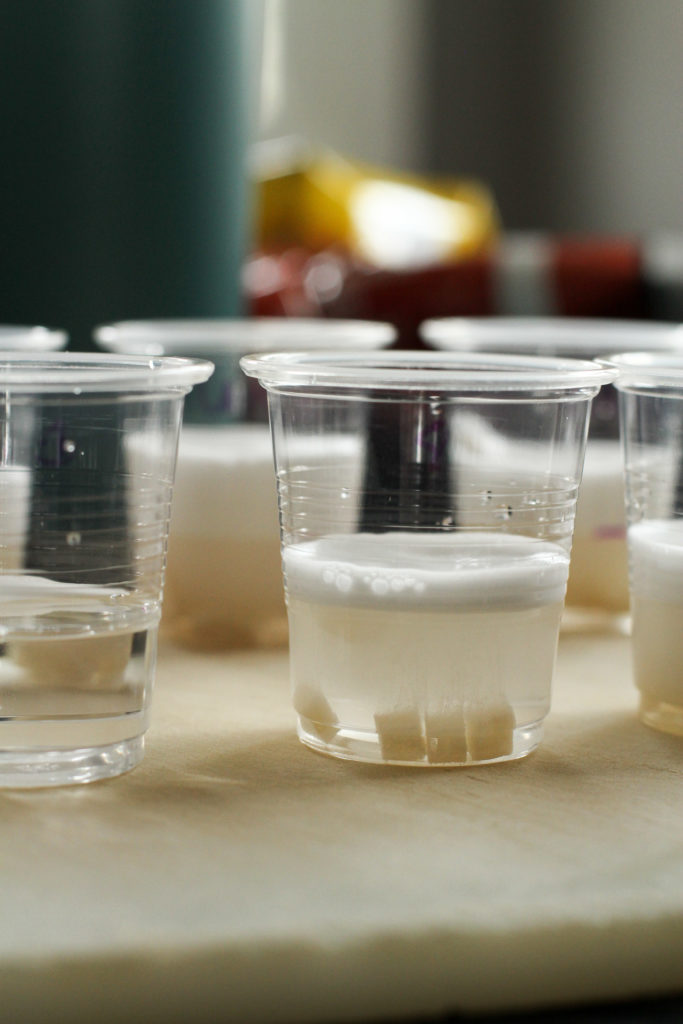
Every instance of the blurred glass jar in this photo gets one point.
(223, 585)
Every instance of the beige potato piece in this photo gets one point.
(446, 736)
(90, 662)
(490, 731)
(401, 735)
(315, 712)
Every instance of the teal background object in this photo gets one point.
(122, 184)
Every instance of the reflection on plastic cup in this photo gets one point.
(650, 389)
(425, 574)
(224, 578)
(15, 484)
(598, 576)
(15, 480)
(86, 473)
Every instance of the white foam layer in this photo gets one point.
(656, 549)
(427, 571)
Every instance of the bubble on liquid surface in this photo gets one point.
(343, 582)
(428, 571)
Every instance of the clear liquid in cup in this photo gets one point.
(424, 648)
(656, 553)
(76, 664)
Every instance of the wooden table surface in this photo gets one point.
(237, 876)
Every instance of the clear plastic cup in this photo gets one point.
(650, 387)
(17, 337)
(597, 590)
(224, 580)
(86, 473)
(425, 544)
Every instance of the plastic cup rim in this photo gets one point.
(240, 335)
(40, 372)
(646, 369)
(419, 370)
(585, 337)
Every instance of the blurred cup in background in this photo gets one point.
(224, 581)
(27, 338)
(597, 590)
(650, 387)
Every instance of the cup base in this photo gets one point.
(661, 716)
(31, 768)
(352, 745)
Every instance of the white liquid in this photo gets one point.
(423, 648)
(76, 665)
(510, 473)
(223, 584)
(598, 575)
(656, 550)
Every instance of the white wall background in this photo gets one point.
(572, 110)
(620, 155)
(346, 73)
